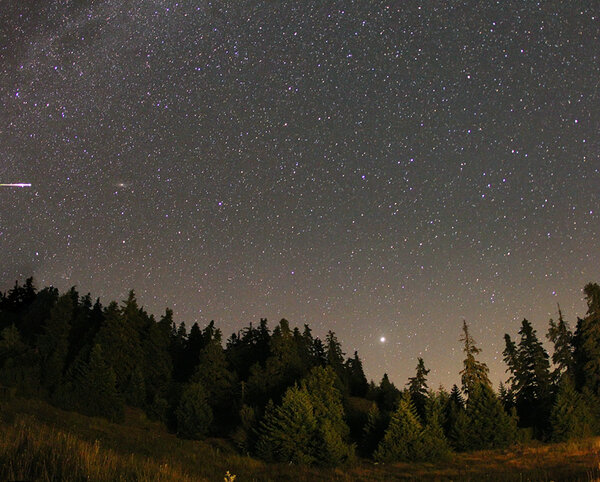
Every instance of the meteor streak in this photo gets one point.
(18, 184)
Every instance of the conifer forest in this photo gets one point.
(281, 394)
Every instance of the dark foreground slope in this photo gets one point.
(38, 441)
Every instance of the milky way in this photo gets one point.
(377, 169)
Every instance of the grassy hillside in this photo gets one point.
(38, 441)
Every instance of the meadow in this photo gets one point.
(41, 442)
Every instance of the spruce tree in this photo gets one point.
(507, 397)
(288, 433)
(120, 343)
(373, 431)
(531, 381)
(403, 440)
(219, 382)
(333, 433)
(194, 415)
(135, 390)
(455, 420)
(282, 369)
(435, 443)
(94, 387)
(243, 436)
(417, 388)
(562, 338)
(358, 384)
(387, 394)
(473, 372)
(587, 342)
(158, 363)
(570, 417)
(490, 426)
(335, 359)
(19, 363)
(54, 342)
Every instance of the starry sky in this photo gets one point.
(380, 169)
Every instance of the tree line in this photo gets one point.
(285, 395)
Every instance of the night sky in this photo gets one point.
(380, 169)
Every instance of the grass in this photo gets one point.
(40, 442)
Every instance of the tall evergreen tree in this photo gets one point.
(473, 372)
(490, 426)
(403, 441)
(120, 343)
(308, 427)
(435, 443)
(31, 321)
(571, 417)
(335, 359)
(387, 395)
(213, 373)
(135, 390)
(194, 415)
(562, 338)
(531, 382)
(54, 342)
(19, 363)
(333, 433)
(587, 342)
(287, 433)
(456, 423)
(158, 365)
(357, 380)
(177, 348)
(418, 389)
(282, 368)
(95, 391)
(373, 431)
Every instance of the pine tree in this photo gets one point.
(402, 441)
(135, 390)
(33, 321)
(587, 342)
(561, 337)
(511, 358)
(193, 346)
(474, 372)
(531, 382)
(266, 444)
(387, 394)
(435, 444)
(213, 373)
(332, 431)
(288, 432)
(19, 363)
(358, 384)
(455, 420)
(95, 388)
(335, 359)
(120, 345)
(417, 388)
(507, 397)
(243, 436)
(194, 415)
(177, 346)
(373, 431)
(158, 365)
(490, 426)
(54, 343)
(282, 369)
(570, 417)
